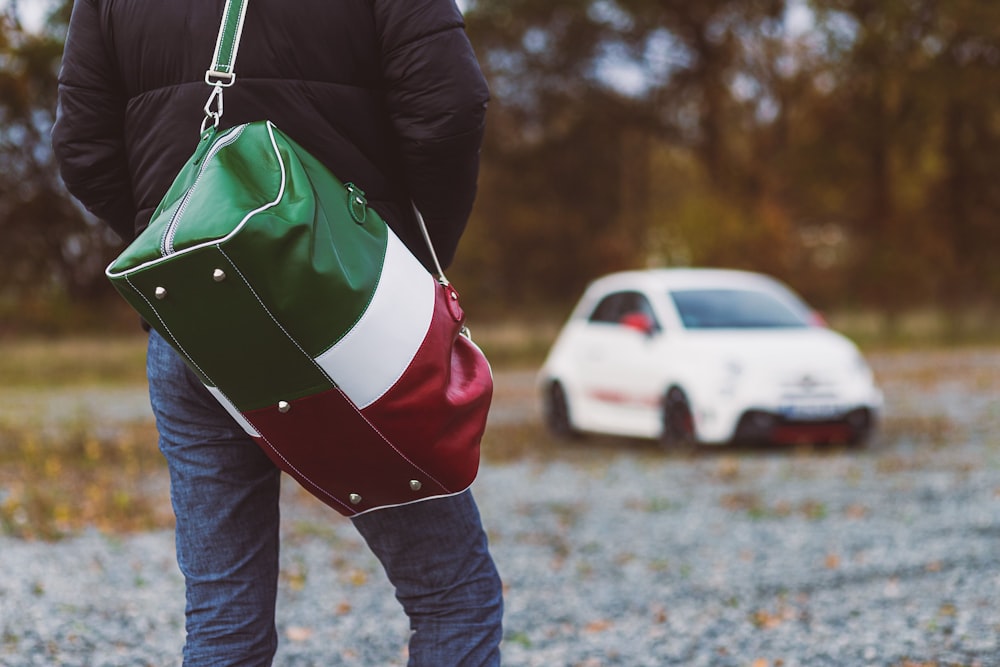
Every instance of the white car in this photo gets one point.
(705, 356)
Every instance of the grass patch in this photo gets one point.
(73, 361)
(531, 441)
(928, 327)
(515, 344)
(53, 488)
(515, 442)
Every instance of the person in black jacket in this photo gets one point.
(387, 94)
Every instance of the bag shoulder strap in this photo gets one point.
(227, 44)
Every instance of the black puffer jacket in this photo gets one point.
(386, 93)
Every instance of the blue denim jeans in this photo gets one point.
(225, 491)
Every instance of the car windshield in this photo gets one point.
(734, 309)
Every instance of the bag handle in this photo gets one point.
(221, 75)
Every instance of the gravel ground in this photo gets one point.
(618, 554)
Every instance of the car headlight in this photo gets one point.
(860, 366)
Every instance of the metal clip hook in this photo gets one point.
(213, 114)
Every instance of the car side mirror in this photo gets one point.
(640, 322)
(816, 319)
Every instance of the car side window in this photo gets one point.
(609, 310)
(642, 305)
(614, 307)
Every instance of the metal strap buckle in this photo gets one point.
(216, 78)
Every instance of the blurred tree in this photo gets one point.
(50, 245)
(584, 91)
(551, 202)
(853, 156)
(965, 203)
(911, 107)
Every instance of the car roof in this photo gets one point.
(657, 280)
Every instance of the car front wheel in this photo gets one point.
(556, 411)
(861, 423)
(678, 422)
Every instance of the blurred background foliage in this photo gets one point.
(849, 147)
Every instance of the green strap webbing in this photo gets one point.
(228, 42)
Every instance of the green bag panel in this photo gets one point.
(324, 266)
(220, 322)
(253, 187)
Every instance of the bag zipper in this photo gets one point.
(167, 244)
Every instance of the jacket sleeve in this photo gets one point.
(436, 96)
(88, 135)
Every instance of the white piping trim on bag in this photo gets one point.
(412, 502)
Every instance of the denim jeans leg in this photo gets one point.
(224, 492)
(436, 555)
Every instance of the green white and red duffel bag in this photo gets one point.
(308, 319)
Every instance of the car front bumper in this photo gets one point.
(775, 427)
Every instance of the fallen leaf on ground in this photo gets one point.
(598, 626)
